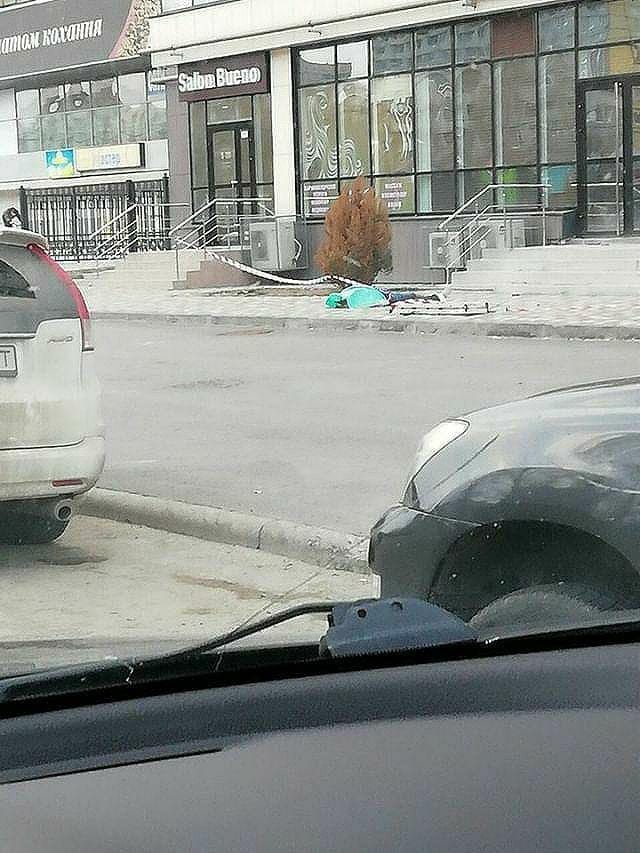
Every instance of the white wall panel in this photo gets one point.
(242, 25)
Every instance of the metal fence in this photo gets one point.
(69, 217)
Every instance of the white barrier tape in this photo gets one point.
(325, 279)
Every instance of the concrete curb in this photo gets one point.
(462, 326)
(315, 545)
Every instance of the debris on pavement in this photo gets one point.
(409, 303)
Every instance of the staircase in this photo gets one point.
(579, 267)
(141, 270)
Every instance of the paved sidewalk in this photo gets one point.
(561, 315)
(105, 579)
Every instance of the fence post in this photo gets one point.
(24, 208)
(132, 219)
(74, 223)
(166, 220)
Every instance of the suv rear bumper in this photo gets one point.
(30, 473)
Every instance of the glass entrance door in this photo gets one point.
(231, 161)
(609, 156)
(232, 178)
(601, 176)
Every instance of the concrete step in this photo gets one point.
(565, 278)
(544, 268)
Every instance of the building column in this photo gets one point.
(179, 155)
(284, 158)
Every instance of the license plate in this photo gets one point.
(8, 361)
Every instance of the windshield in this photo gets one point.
(281, 319)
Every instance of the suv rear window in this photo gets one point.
(13, 285)
(30, 292)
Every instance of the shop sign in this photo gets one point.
(395, 194)
(319, 198)
(108, 157)
(224, 78)
(71, 33)
(60, 163)
(163, 74)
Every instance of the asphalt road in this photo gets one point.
(313, 427)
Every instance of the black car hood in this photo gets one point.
(609, 402)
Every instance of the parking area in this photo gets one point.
(105, 584)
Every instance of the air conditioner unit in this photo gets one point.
(276, 244)
(506, 235)
(445, 250)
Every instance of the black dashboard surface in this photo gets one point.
(448, 757)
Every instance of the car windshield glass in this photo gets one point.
(298, 313)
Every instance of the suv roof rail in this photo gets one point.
(21, 237)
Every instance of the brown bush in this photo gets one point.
(357, 242)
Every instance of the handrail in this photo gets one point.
(111, 222)
(488, 188)
(471, 234)
(218, 202)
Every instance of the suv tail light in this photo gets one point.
(81, 306)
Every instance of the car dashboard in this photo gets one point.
(530, 751)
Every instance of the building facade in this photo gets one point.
(429, 101)
(83, 125)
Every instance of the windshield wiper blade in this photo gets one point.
(360, 628)
(367, 627)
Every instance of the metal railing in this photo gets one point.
(70, 216)
(219, 224)
(124, 233)
(477, 219)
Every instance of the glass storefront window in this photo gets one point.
(29, 135)
(222, 110)
(199, 162)
(392, 131)
(397, 193)
(473, 116)
(513, 35)
(28, 103)
(79, 129)
(132, 88)
(436, 193)
(518, 196)
(133, 123)
(104, 93)
(157, 120)
(353, 126)
(392, 52)
(319, 153)
(515, 111)
(434, 120)
(87, 113)
(317, 66)
(556, 28)
(455, 106)
(52, 100)
(470, 183)
(106, 126)
(263, 138)
(608, 21)
(473, 41)
(562, 192)
(607, 61)
(77, 96)
(54, 132)
(433, 47)
(353, 60)
(557, 108)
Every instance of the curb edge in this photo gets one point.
(465, 328)
(327, 549)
